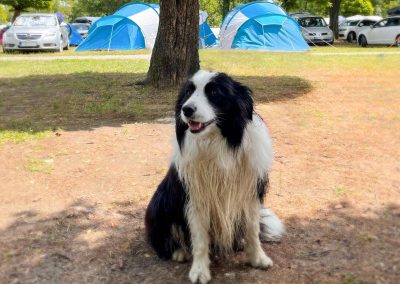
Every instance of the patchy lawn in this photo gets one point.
(339, 47)
(72, 202)
(43, 96)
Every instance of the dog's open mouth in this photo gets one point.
(197, 127)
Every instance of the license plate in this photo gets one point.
(28, 44)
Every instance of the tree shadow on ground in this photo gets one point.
(84, 244)
(87, 100)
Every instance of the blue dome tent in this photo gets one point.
(206, 36)
(142, 20)
(113, 33)
(261, 25)
(146, 16)
(143, 14)
(74, 36)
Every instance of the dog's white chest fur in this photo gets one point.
(221, 182)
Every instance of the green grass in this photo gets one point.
(344, 47)
(71, 52)
(12, 69)
(341, 191)
(338, 47)
(18, 136)
(35, 165)
(256, 63)
(349, 278)
(39, 96)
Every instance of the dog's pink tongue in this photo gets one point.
(194, 125)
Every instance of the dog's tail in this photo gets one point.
(271, 228)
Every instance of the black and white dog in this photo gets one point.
(212, 195)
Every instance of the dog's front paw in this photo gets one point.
(199, 273)
(261, 260)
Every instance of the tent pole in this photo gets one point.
(109, 42)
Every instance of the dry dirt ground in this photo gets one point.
(72, 204)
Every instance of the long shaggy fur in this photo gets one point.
(214, 190)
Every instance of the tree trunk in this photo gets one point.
(17, 12)
(175, 55)
(334, 17)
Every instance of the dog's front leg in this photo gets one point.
(199, 226)
(253, 248)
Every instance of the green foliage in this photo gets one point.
(19, 6)
(382, 6)
(22, 5)
(3, 14)
(213, 8)
(100, 7)
(317, 7)
(356, 7)
(63, 6)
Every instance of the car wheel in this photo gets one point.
(363, 41)
(351, 37)
(397, 42)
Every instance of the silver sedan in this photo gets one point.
(36, 32)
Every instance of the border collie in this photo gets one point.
(212, 196)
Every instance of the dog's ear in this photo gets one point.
(245, 99)
(180, 127)
(235, 107)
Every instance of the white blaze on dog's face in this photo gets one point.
(197, 112)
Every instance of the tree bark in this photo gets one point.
(334, 17)
(175, 55)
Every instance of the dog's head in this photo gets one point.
(213, 101)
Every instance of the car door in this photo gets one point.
(391, 30)
(375, 34)
(367, 24)
(64, 33)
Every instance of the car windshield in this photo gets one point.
(312, 22)
(34, 21)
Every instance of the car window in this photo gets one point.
(366, 23)
(393, 22)
(34, 21)
(380, 24)
(309, 22)
(350, 23)
(369, 22)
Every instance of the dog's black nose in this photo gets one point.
(188, 110)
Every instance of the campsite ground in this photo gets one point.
(82, 149)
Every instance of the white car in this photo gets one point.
(385, 32)
(350, 29)
(314, 29)
(36, 32)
